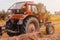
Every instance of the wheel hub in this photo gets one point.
(31, 28)
(51, 30)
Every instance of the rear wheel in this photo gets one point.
(31, 25)
(49, 28)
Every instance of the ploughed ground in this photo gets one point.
(35, 35)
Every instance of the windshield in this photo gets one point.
(17, 8)
(17, 11)
(17, 5)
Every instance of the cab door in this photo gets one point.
(34, 10)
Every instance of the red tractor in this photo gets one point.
(26, 17)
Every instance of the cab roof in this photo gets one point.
(28, 2)
(24, 2)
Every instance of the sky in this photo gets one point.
(51, 5)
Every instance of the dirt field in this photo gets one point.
(36, 35)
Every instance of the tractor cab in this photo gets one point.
(20, 10)
(17, 8)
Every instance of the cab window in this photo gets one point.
(29, 7)
(34, 10)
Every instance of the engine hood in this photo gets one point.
(17, 16)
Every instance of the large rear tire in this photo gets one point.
(31, 24)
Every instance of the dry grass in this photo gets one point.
(55, 18)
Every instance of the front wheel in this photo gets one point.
(49, 28)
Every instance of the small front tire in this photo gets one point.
(49, 28)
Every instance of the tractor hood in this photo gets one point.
(17, 16)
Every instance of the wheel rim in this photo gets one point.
(31, 28)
